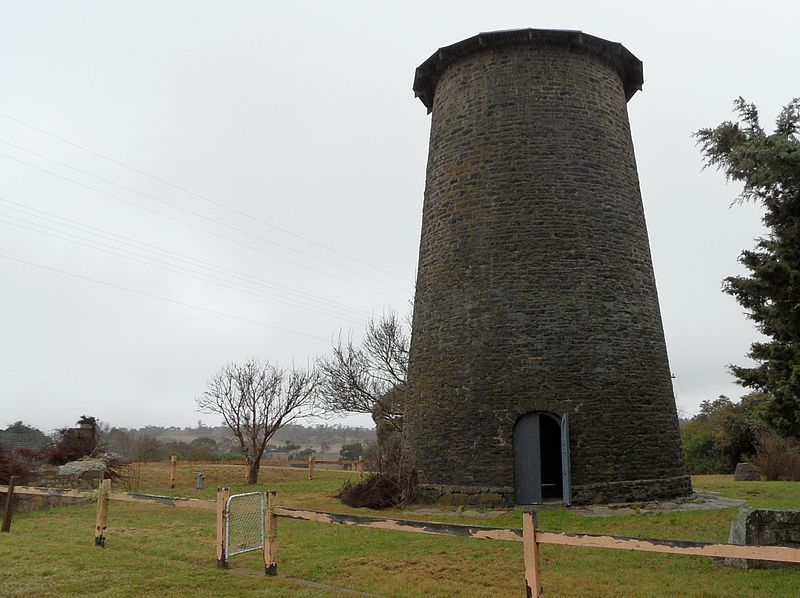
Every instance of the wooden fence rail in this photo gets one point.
(404, 525)
(529, 535)
(152, 499)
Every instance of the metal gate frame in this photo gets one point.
(228, 552)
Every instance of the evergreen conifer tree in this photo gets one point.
(769, 167)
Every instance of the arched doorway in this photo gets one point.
(541, 459)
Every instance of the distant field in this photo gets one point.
(156, 550)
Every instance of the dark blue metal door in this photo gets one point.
(527, 460)
(566, 478)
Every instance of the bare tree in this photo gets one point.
(370, 378)
(256, 400)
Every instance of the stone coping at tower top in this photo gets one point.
(620, 58)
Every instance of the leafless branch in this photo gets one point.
(370, 377)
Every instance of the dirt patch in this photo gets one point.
(699, 501)
(461, 511)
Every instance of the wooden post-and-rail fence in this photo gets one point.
(101, 523)
(529, 535)
(173, 467)
(531, 538)
(8, 512)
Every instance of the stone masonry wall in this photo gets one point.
(27, 503)
(535, 286)
(764, 527)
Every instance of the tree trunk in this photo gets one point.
(252, 471)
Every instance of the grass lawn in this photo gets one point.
(161, 551)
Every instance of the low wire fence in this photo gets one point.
(311, 464)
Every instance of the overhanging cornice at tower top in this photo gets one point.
(620, 58)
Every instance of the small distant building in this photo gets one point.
(85, 433)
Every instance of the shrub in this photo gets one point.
(21, 463)
(189, 452)
(73, 444)
(350, 452)
(380, 491)
(148, 449)
(700, 448)
(303, 455)
(715, 440)
(777, 458)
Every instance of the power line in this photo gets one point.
(695, 389)
(160, 298)
(198, 195)
(158, 264)
(169, 254)
(197, 214)
(698, 389)
(190, 225)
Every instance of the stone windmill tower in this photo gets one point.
(538, 364)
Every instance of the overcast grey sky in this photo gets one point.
(291, 157)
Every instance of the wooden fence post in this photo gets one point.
(361, 467)
(9, 510)
(530, 552)
(222, 499)
(270, 535)
(173, 464)
(311, 468)
(101, 523)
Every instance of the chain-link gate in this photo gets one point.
(244, 523)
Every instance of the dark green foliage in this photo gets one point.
(723, 433)
(769, 168)
(20, 435)
(189, 451)
(205, 442)
(389, 430)
(306, 453)
(699, 447)
(349, 452)
(147, 448)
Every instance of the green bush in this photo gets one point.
(723, 433)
